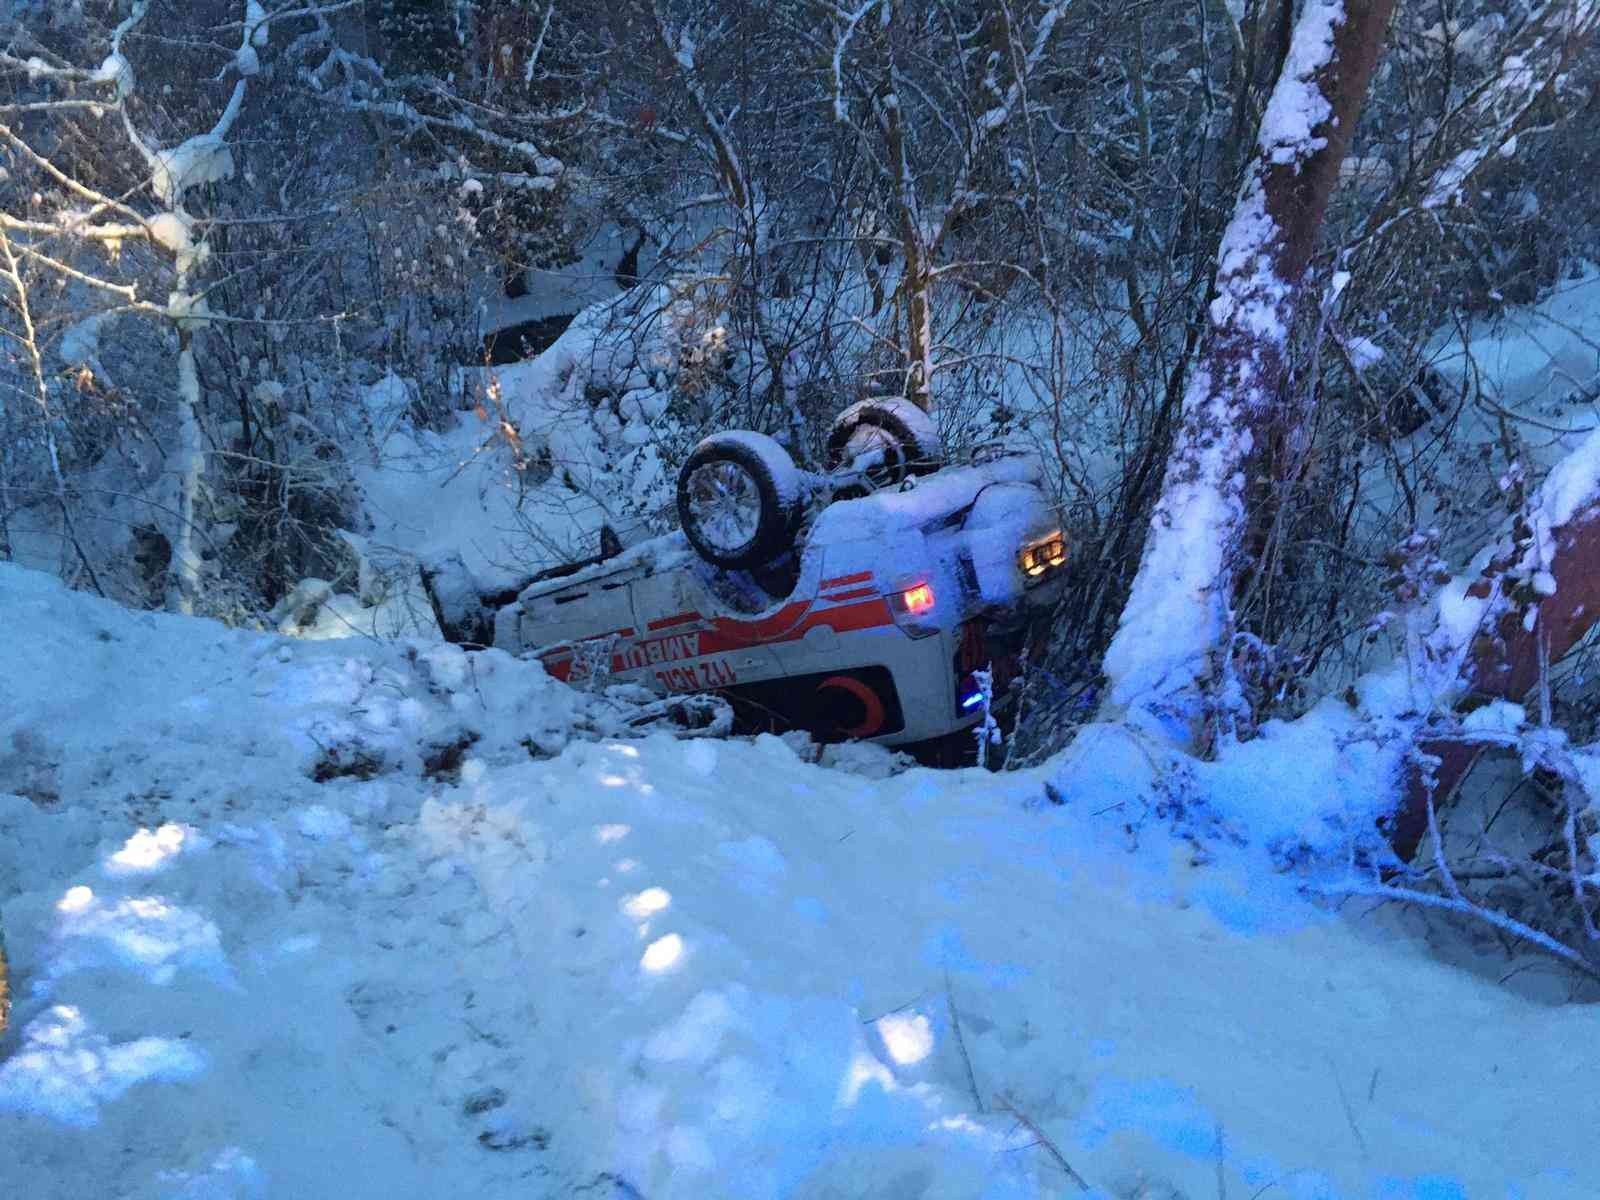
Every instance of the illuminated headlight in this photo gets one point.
(1043, 556)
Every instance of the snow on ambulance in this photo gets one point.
(861, 602)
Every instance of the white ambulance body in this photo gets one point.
(891, 603)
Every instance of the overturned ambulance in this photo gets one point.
(861, 602)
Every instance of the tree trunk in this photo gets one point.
(1519, 638)
(186, 565)
(917, 283)
(1167, 664)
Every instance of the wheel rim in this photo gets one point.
(725, 506)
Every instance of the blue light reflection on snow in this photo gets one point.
(811, 909)
(65, 1069)
(1169, 1114)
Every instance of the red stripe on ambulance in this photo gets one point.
(845, 580)
(789, 624)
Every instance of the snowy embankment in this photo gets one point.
(548, 451)
(545, 453)
(1540, 362)
(547, 962)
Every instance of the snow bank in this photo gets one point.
(1541, 363)
(321, 919)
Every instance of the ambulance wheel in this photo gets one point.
(905, 436)
(739, 499)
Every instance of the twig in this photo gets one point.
(961, 1041)
(1349, 1114)
(1222, 1179)
(1005, 1103)
(891, 1011)
(1496, 918)
(472, 669)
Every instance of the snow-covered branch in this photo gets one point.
(29, 339)
(1490, 122)
(1496, 108)
(994, 119)
(369, 95)
(531, 67)
(841, 42)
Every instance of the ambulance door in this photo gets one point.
(688, 642)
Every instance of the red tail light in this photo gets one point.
(912, 609)
(914, 601)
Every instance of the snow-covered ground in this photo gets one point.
(1543, 360)
(302, 918)
(554, 962)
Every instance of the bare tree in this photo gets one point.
(928, 103)
(101, 205)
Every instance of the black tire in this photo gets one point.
(906, 435)
(738, 499)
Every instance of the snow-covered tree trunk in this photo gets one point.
(186, 562)
(201, 159)
(1167, 664)
(1534, 598)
